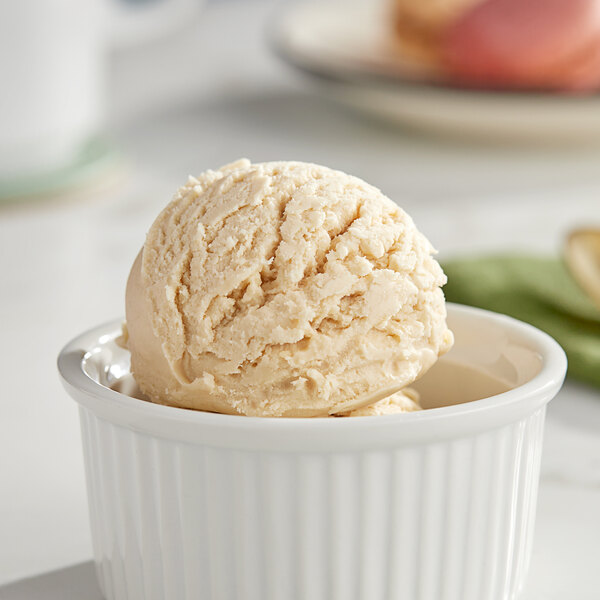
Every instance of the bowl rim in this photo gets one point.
(453, 420)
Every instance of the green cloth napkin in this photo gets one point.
(539, 291)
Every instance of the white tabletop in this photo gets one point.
(197, 101)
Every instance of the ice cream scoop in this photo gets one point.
(283, 289)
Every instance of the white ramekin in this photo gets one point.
(433, 505)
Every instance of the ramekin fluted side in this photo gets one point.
(443, 520)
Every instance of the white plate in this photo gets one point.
(349, 48)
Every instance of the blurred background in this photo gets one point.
(481, 118)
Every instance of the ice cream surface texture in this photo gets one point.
(282, 289)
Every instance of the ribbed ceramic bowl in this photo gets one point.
(433, 505)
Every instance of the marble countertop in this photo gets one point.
(188, 103)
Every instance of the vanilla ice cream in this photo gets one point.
(283, 289)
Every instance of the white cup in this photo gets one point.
(52, 62)
(436, 504)
(51, 69)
